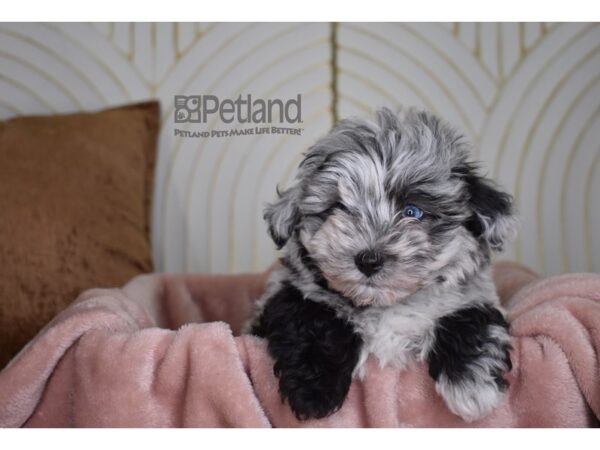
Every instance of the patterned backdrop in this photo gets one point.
(528, 95)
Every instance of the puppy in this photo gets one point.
(387, 233)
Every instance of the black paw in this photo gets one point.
(469, 358)
(315, 352)
(313, 394)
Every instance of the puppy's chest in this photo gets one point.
(393, 336)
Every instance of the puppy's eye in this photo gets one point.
(412, 212)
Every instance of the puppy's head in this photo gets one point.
(386, 208)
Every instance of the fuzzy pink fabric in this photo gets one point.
(161, 352)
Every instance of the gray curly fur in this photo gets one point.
(348, 196)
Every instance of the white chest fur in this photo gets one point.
(404, 332)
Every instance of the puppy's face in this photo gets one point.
(384, 209)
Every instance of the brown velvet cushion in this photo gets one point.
(75, 198)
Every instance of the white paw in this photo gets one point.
(469, 399)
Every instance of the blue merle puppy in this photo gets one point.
(387, 231)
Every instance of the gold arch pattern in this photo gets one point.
(524, 93)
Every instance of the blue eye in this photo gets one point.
(412, 212)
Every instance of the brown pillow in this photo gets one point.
(75, 198)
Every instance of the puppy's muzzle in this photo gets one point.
(369, 262)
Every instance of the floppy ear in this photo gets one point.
(282, 215)
(493, 218)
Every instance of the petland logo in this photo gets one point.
(243, 110)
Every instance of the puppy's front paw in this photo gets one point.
(310, 397)
(314, 350)
(468, 359)
(469, 399)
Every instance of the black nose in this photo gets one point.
(369, 262)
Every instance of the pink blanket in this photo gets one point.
(161, 352)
